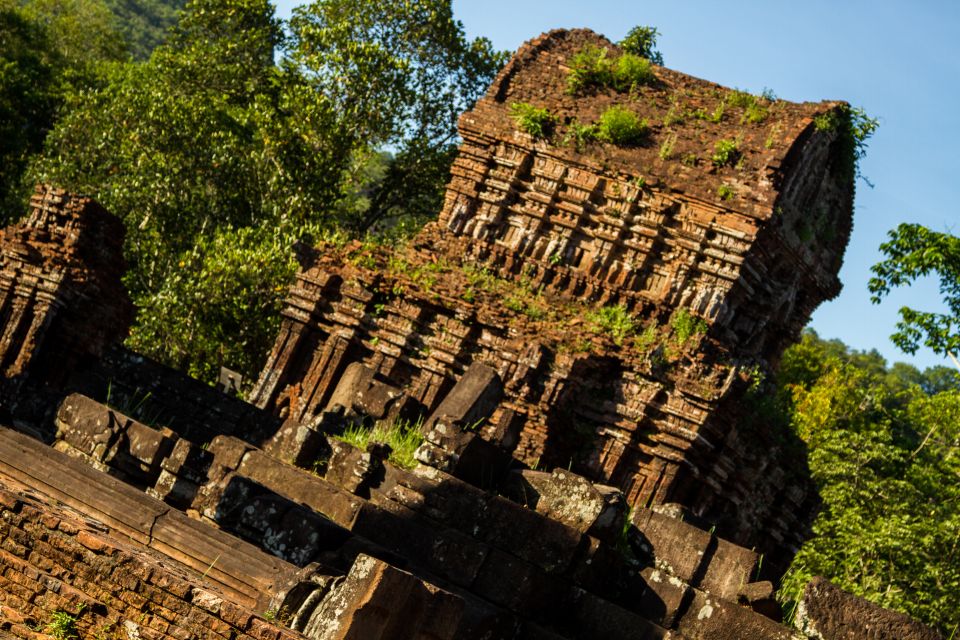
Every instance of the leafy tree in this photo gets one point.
(642, 41)
(206, 142)
(28, 98)
(913, 252)
(81, 34)
(885, 456)
(399, 73)
(211, 142)
(48, 48)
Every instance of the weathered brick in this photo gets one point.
(95, 543)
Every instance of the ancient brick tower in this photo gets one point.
(57, 270)
(720, 259)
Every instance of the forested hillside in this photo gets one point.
(228, 142)
(884, 448)
(144, 23)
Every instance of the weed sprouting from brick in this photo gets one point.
(685, 326)
(614, 321)
(593, 67)
(725, 152)
(62, 625)
(535, 121)
(621, 126)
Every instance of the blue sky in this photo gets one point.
(900, 61)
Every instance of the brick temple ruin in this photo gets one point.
(578, 478)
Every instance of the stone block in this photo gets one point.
(379, 602)
(576, 502)
(276, 524)
(597, 618)
(472, 400)
(188, 461)
(356, 470)
(830, 613)
(298, 444)
(695, 556)
(464, 454)
(708, 616)
(362, 394)
(548, 544)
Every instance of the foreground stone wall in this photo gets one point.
(54, 561)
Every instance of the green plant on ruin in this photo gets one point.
(647, 338)
(592, 67)
(754, 109)
(631, 71)
(666, 147)
(725, 192)
(673, 116)
(614, 321)
(523, 298)
(685, 326)
(772, 136)
(579, 134)
(402, 436)
(621, 126)
(717, 114)
(274, 615)
(589, 67)
(725, 152)
(535, 121)
(827, 122)
(642, 41)
(62, 625)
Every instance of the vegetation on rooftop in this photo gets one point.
(642, 41)
(596, 68)
(853, 128)
(621, 126)
(614, 321)
(725, 152)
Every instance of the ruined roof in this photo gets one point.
(689, 114)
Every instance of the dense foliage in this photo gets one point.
(219, 158)
(48, 50)
(884, 447)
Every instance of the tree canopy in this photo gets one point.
(913, 252)
(884, 450)
(398, 74)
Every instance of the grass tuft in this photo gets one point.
(403, 438)
(614, 321)
(621, 126)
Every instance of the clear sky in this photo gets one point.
(898, 60)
